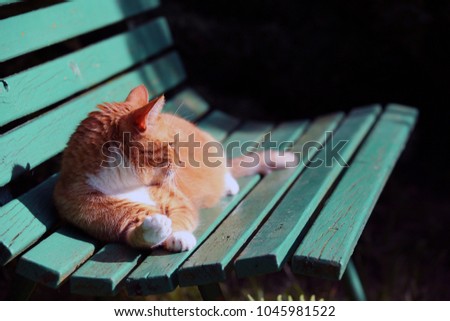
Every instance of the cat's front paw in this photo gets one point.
(156, 228)
(180, 241)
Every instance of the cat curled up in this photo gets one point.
(118, 192)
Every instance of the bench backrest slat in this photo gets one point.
(46, 84)
(37, 29)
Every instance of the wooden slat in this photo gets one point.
(41, 28)
(187, 104)
(104, 272)
(268, 249)
(4, 2)
(62, 252)
(328, 245)
(51, 82)
(34, 142)
(219, 124)
(208, 264)
(249, 133)
(24, 220)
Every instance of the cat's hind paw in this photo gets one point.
(156, 228)
(180, 241)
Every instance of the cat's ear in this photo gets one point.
(145, 116)
(138, 96)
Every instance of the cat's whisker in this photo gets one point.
(174, 115)
(178, 108)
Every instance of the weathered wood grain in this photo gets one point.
(48, 83)
(103, 273)
(25, 219)
(55, 258)
(328, 245)
(269, 248)
(41, 28)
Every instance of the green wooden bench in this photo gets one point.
(310, 217)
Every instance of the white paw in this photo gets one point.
(231, 185)
(156, 228)
(180, 241)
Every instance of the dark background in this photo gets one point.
(297, 59)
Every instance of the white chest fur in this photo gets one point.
(121, 182)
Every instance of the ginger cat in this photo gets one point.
(139, 190)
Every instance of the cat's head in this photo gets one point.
(142, 140)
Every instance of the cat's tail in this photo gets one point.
(262, 163)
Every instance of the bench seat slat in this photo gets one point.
(37, 29)
(249, 133)
(46, 84)
(62, 252)
(24, 220)
(328, 245)
(103, 276)
(208, 264)
(219, 124)
(34, 142)
(269, 248)
(187, 104)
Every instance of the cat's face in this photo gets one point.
(145, 142)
